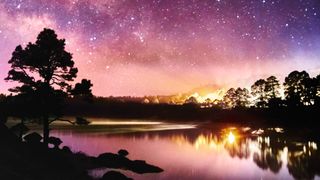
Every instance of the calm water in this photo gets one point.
(201, 151)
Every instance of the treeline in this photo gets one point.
(299, 89)
(266, 106)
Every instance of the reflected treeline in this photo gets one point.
(270, 149)
(239, 148)
(303, 163)
(268, 156)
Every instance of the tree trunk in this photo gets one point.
(46, 130)
(46, 113)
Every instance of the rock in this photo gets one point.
(66, 149)
(114, 175)
(33, 138)
(55, 141)
(141, 167)
(123, 152)
(110, 160)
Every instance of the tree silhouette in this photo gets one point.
(258, 90)
(299, 88)
(229, 98)
(272, 91)
(44, 69)
(272, 87)
(242, 97)
(317, 100)
(295, 88)
(236, 98)
(191, 100)
(82, 89)
(310, 91)
(208, 102)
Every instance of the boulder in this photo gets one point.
(123, 153)
(114, 175)
(33, 138)
(55, 141)
(110, 160)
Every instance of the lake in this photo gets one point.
(200, 151)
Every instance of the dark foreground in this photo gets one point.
(32, 160)
(306, 116)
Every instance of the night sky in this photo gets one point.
(145, 47)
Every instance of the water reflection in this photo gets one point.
(303, 161)
(210, 153)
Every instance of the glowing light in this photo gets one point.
(231, 138)
(126, 123)
(257, 132)
(201, 140)
(279, 130)
(313, 145)
(205, 142)
(217, 95)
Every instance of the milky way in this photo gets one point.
(143, 47)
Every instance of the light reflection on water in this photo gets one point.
(186, 151)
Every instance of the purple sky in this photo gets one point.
(145, 47)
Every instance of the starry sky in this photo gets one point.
(149, 47)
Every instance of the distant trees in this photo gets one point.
(309, 95)
(237, 98)
(272, 91)
(83, 90)
(272, 88)
(317, 100)
(266, 92)
(258, 90)
(44, 70)
(191, 100)
(294, 87)
(229, 98)
(299, 90)
(242, 97)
